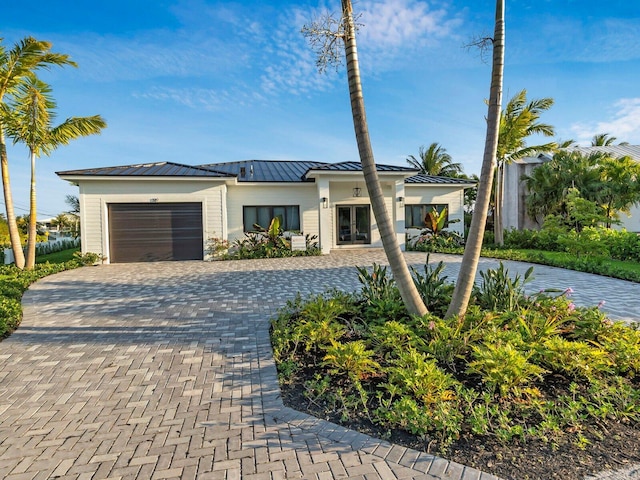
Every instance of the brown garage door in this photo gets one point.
(151, 232)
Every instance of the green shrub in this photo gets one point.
(577, 359)
(351, 359)
(503, 367)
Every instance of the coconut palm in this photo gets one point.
(408, 291)
(604, 140)
(435, 161)
(469, 266)
(16, 66)
(28, 119)
(518, 121)
(330, 38)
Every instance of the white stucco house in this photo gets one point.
(168, 211)
(514, 209)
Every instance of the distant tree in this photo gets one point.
(435, 161)
(332, 40)
(62, 221)
(611, 183)
(620, 186)
(518, 121)
(29, 120)
(470, 258)
(604, 140)
(73, 202)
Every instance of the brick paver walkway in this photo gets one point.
(159, 371)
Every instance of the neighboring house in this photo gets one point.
(168, 211)
(515, 194)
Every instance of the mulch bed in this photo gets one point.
(618, 448)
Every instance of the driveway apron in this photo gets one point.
(165, 370)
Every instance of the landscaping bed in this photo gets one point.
(522, 387)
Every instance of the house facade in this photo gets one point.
(169, 211)
(514, 210)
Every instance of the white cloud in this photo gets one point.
(400, 23)
(624, 124)
(392, 30)
(202, 98)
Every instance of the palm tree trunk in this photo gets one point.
(14, 234)
(408, 290)
(33, 232)
(469, 266)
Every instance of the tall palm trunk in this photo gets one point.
(408, 290)
(469, 266)
(33, 232)
(14, 233)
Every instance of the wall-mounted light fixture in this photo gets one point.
(400, 200)
(357, 191)
(325, 202)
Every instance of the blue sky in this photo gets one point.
(199, 81)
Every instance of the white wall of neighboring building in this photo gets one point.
(96, 195)
(514, 208)
(631, 222)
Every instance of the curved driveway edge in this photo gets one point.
(165, 370)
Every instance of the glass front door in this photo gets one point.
(354, 224)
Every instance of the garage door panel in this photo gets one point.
(155, 232)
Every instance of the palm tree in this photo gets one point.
(333, 41)
(604, 140)
(61, 221)
(469, 266)
(28, 119)
(16, 66)
(518, 121)
(435, 161)
(408, 290)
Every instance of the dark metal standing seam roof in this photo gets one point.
(357, 167)
(277, 171)
(434, 180)
(267, 170)
(160, 169)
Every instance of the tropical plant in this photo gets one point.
(435, 161)
(433, 287)
(498, 291)
(326, 41)
(518, 121)
(28, 118)
(16, 67)
(471, 256)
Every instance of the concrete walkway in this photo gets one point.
(159, 371)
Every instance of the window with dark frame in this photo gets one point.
(414, 215)
(289, 216)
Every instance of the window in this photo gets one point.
(414, 215)
(289, 216)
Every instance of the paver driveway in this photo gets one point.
(165, 371)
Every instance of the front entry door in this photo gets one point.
(354, 224)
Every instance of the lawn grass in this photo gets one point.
(58, 257)
(622, 269)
